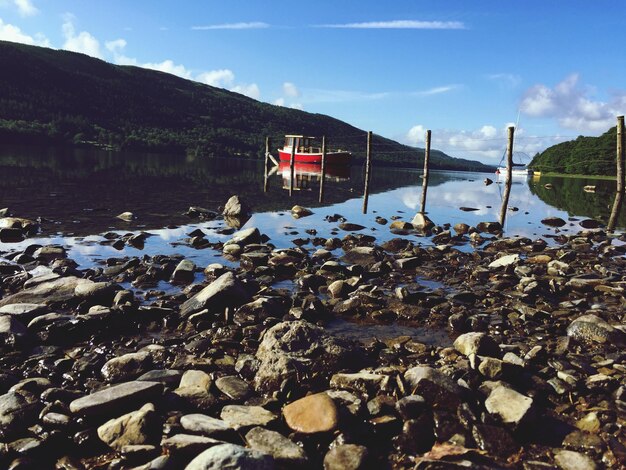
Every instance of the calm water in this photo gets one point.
(77, 193)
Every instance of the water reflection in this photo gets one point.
(307, 176)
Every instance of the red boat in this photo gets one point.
(307, 150)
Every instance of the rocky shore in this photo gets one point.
(101, 370)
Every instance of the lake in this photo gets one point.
(78, 193)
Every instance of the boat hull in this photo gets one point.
(332, 158)
(522, 172)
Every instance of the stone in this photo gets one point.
(589, 423)
(235, 206)
(350, 227)
(135, 428)
(245, 237)
(127, 216)
(188, 445)
(284, 451)
(196, 379)
(476, 343)
(233, 387)
(411, 406)
(18, 411)
(339, 289)
(408, 263)
(570, 460)
(167, 377)
(226, 291)
(24, 312)
(489, 227)
(184, 272)
(461, 228)
(553, 222)
(50, 252)
(205, 425)
(12, 331)
(422, 222)
(242, 416)
(346, 457)
(58, 290)
(506, 260)
(362, 255)
(115, 399)
(312, 414)
(592, 329)
(359, 382)
(126, 367)
(231, 457)
(400, 225)
(298, 212)
(510, 406)
(438, 389)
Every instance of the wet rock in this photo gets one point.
(339, 289)
(469, 209)
(312, 414)
(233, 387)
(510, 406)
(18, 411)
(292, 348)
(487, 181)
(461, 228)
(96, 293)
(284, 451)
(422, 222)
(503, 261)
(127, 366)
(188, 445)
(245, 237)
(489, 227)
(206, 425)
(12, 332)
(570, 460)
(231, 456)
(362, 255)
(11, 235)
(135, 428)
(298, 212)
(200, 212)
(127, 216)
(592, 329)
(475, 343)
(242, 416)
(118, 398)
(184, 273)
(438, 389)
(226, 291)
(49, 253)
(25, 225)
(47, 293)
(359, 382)
(350, 227)
(235, 206)
(167, 377)
(494, 440)
(411, 406)
(346, 457)
(400, 225)
(589, 423)
(590, 223)
(553, 222)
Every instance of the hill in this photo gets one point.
(58, 97)
(585, 155)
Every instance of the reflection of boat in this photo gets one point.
(523, 172)
(306, 173)
(308, 151)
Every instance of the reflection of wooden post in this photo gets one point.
(509, 176)
(323, 177)
(425, 175)
(368, 168)
(267, 161)
(291, 164)
(619, 196)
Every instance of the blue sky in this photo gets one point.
(463, 69)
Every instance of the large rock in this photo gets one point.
(298, 211)
(118, 398)
(346, 457)
(362, 255)
(510, 406)
(55, 291)
(206, 425)
(127, 366)
(285, 452)
(290, 349)
(226, 291)
(231, 457)
(184, 272)
(18, 411)
(235, 207)
(12, 331)
(24, 312)
(570, 460)
(135, 428)
(438, 389)
(312, 414)
(422, 222)
(243, 417)
(245, 237)
(506, 260)
(593, 329)
(476, 343)
(553, 222)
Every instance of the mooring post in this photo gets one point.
(291, 165)
(323, 177)
(425, 175)
(509, 176)
(268, 143)
(619, 195)
(368, 168)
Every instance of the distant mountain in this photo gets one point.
(585, 155)
(53, 96)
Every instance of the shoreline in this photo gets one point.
(535, 372)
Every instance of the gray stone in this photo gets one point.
(18, 411)
(226, 291)
(570, 460)
(196, 379)
(55, 291)
(50, 252)
(553, 222)
(506, 260)
(411, 406)
(24, 312)
(242, 417)
(593, 329)
(97, 293)
(167, 377)
(298, 212)
(12, 331)
(283, 450)
(233, 387)
(136, 428)
(476, 343)
(236, 207)
(422, 222)
(360, 381)
(346, 457)
(184, 272)
(111, 401)
(437, 388)
(362, 255)
(231, 457)
(510, 406)
(127, 366)
(205, 425)
(188, 445)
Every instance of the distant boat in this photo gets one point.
(523, 172)
(309, 150)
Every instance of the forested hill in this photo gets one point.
(585, 155)
(53, 96)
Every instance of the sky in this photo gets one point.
(465, 70)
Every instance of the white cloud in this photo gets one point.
(251, 90)
(25, 7)
(168, 66)
(398, 24)
(279, 102)
(296, 106)
(115, 46)
(341, 96)
(436, 90)
(487, 143)
(9, 32)
(220, 78)
(571, 105)
(82, 42)
(290, 90)
(250, 25)
(506, 80)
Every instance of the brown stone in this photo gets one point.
(312, 414)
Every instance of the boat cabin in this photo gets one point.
(304, 144)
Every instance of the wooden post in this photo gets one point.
(368, 169)
(291, 165)
(323, 177)
(619, 195)
(509, 176)
(267, 161)
(425, 175)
